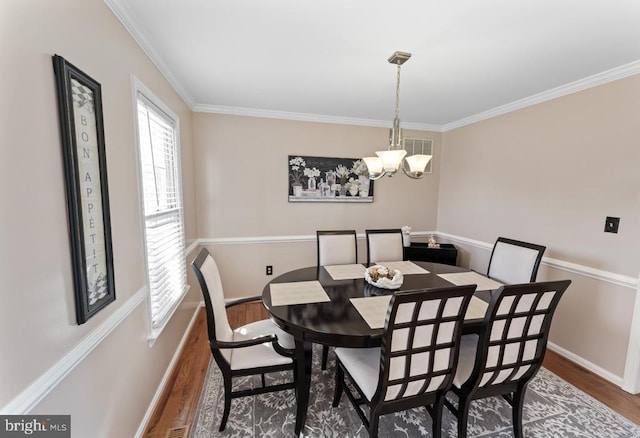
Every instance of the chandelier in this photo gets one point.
(388, 162)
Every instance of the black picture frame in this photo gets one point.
(85, 168)
(350, 185)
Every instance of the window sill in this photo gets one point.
(155, 332)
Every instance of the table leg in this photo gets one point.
(303, 382)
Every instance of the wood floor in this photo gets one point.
(177, 406)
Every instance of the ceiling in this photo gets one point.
(326, 60)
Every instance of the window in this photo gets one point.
(159, 153)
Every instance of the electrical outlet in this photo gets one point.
(611, 224)
(269, 270)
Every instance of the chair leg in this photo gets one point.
(325, 356)
(338, 388)
(227, 403)
(436, 421)
(518, 404)
(463, 416)
(373, 424)
(263, 382)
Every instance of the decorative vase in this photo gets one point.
(342, 190)
(364, 184)
(312, 183)
(297, 190)
(331, 177)
(363, 193)
(353, 190)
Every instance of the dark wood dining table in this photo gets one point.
(337, 322)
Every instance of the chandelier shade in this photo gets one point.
(415, 165)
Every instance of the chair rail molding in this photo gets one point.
(598, 274)
(282, 239)
(24, 402)
(43, 385)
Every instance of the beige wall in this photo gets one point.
(242, 178)
(544, 174)
(550, 174)
(108, 393)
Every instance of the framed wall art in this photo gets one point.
(324, 179)
(85, 166)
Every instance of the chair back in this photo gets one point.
(421, 341)
(384, 245)
(514, 333)
(514, 261)
(338, 247)
(206, 271)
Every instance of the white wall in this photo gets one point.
(109, 391)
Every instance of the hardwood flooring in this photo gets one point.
(177, 406)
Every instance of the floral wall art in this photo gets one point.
(324, 179)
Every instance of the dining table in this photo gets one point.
(324, 305)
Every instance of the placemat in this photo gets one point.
(406, 267)
(374, 309)
(465, 278)
(299, 292)
(477, 309)
(346, 272)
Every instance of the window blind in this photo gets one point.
(162, 205)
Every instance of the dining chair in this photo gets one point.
(336, 247)
(253, 349)
(416, 362)
(508, 352)
(384, 245)
(513, 261)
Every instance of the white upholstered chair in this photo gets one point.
(384, 245)
(337, 247)
(253, 349)
(514, 261)
(416, 362)
(508, 352)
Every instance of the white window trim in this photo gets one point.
(138, 87)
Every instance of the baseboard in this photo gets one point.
(167, 375)
(595, 369)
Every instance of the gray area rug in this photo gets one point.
(553, 408)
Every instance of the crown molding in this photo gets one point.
(123, 13)
(305, 117)
(614, 74)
